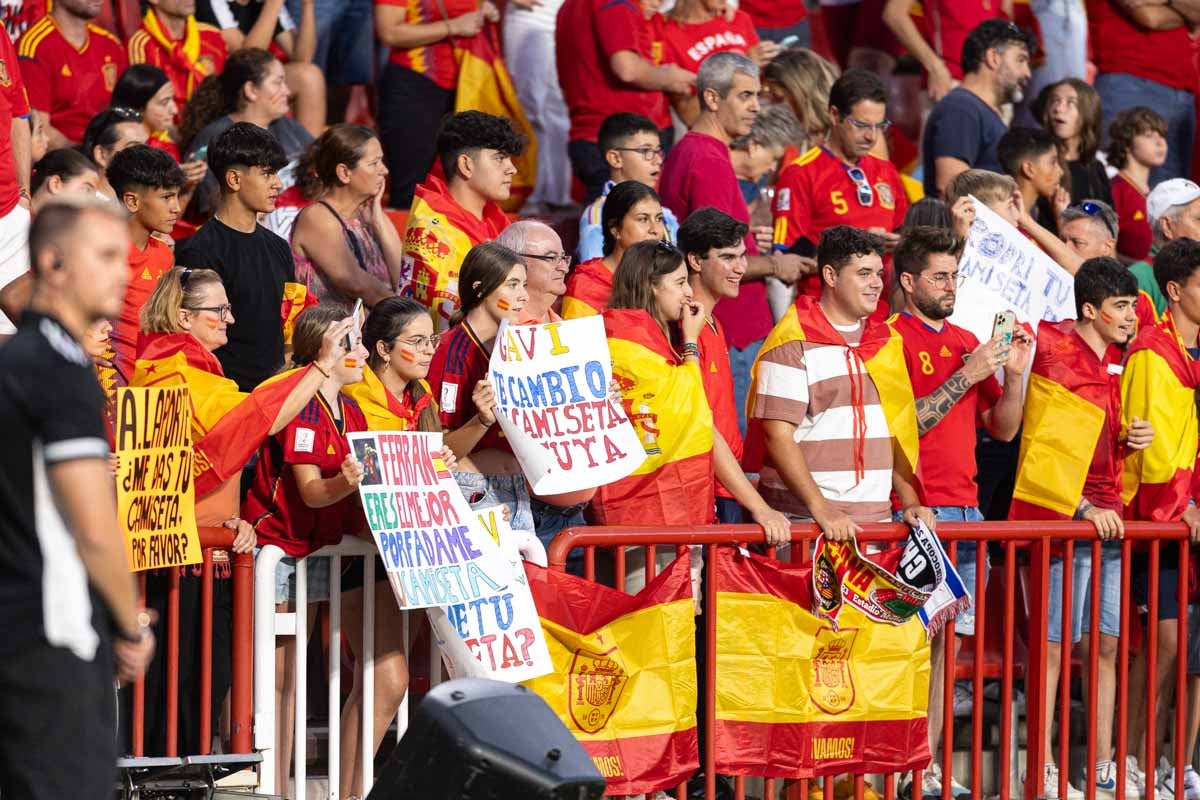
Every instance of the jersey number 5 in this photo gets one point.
(839, 203)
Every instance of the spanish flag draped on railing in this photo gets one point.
(664, 398)
(624, 679)
(383, 410)
(588, 290)
(1159, 385)
(797, 698)
(881, 353)
(1065, 411)
(485, 85)
(228, 426)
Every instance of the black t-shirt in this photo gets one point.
(964, 127)
(1089, 181)
(254, 267)
(52, 411)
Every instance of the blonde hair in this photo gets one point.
(807, 78)
(989, 187)
(177, 288)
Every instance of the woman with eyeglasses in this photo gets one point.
(632, 213)
(183, 322)
(108, 133)
(653, 327)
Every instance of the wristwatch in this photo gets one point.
(143, 625)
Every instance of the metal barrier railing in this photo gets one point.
(1016, 539)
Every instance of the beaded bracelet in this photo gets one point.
(691, 349)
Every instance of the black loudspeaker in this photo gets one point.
(487, 740)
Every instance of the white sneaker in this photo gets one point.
(1050, 786)
(1166, 780)
(931, 784)
(1106, 780)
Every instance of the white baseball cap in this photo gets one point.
(1170, 193)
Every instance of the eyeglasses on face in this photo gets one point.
(550, 258)
(944, 280)
(223, 312)
(423, 342)
(647, 153)
(881, 127)
(863, 190)
(1094, 210)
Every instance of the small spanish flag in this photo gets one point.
(797, 697)
(1159, 385)
(624, 679)
(588, 290)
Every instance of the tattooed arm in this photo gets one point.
(933, 407)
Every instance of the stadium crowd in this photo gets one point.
(772, 208)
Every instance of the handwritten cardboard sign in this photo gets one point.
(155, 495)
(552, 402)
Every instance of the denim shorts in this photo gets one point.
(482, 491)
(318, 580)
(1081, 599)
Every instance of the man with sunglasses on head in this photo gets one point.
(1090, 229)
(840, 182)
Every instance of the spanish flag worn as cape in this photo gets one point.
(624, 679)
(228, 426)
(485, 85)
(881, 352)
(1159, 385)
(588, 290)
(798, 698)
(382, 409)
(438, 237)
(1065, 413)
(665, 401)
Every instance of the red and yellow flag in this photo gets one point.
(1065, 412)
(797, 698)
(624, 679)
(383, 410)
(228, 426)
(437, 238)
(1159, 385)
(296, 298)
(588, 290)
(485, 85)
(665, 401)
(881, 352)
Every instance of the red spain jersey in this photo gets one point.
(435, 61)
(70, 85)
(688, 44)
(815, 192)
(187, 61)
(145, 268)
(946, 465)
(14, 103)
(718, 388)
(274, 505)
(461, 361)
(1135, 236)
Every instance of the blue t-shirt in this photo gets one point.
(964, 127)
(591, 235)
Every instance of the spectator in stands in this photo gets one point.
(1145, 60)
(451, 215)
(953, 378)
(712, 243)
(171, 39)
(529, 53)
(653, 326)
(696, 29)
(416, 90)
(267, 25)
(185, 322)
(840, 182)
(1173, 209)
(251, 88)
(546, 267)
(148, 183)
(345, 245)
(1159, 386)
(965, 126)
(253, 262)
(606, 66)
(15, 162)
(70, 66)
(802, 79)
(1074, 357)
(1031, 157)
(493, 289)
(1137, 143)
(699, 173)
(63, 172)
(633, 151)
(345, 49)
(756, 155)
(631, 213)
(819, 466)
(1090, 229)
(304, 496)
(1070, 110)
(69, 601)
(108, 133)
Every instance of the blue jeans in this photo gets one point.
(965, 562)
(740, 362)
(1119, 91)
(1081, 592)
(345, 39)
(550, 520)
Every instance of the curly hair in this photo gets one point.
(218, 95)
(468, 132)
(1127, 126)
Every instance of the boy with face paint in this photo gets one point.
(1074, 409)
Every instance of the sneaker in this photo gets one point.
(1050, 786)
(1106, 780)
(964, 699)
(1166, 780)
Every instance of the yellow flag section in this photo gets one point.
(155, 493)
(624, 679)
(796, 698)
